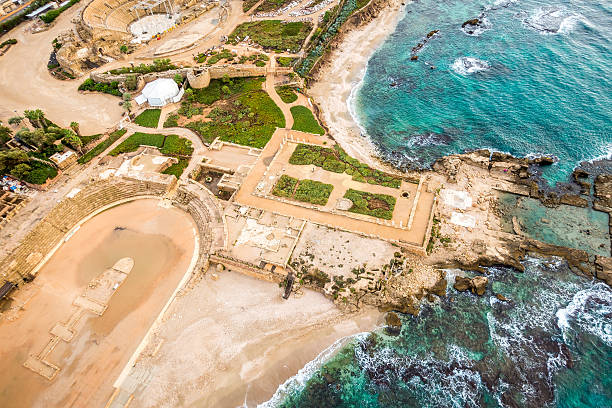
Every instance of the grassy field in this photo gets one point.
(243, 113)
(337, 161)
(376, 205)
(132, 143)
(273, 34)
(176, 146)
(286, 93)
(306, 191)
(102, 146)
(148, 118)
(304, 120)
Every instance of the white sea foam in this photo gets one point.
(589, 309)
(298, 381)
(482, 26)
(469, 65)
(552, 20)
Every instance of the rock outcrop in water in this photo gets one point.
(477, 284)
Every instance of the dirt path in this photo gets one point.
(25, 83)
(269, 88)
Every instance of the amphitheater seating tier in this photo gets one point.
(52, 229)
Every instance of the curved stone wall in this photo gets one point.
(40, 243)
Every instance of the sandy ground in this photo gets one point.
(336, 81)
(232, 341)
(160, 241)
(25, 83)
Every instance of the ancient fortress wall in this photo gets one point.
(40, 243)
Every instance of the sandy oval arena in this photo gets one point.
(161, 242)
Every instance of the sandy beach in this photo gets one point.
(344, 70)
(232, 340)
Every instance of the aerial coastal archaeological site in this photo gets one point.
(189, 214)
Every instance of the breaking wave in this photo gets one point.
(469, 65)
(552, 20)
(590, 310)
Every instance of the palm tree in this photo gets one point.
(75, 126)
(36, 117)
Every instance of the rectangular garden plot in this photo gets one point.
(306, 191)
(376, 205)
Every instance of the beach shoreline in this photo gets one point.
(343, 71)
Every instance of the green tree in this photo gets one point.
(36, 117)
(127, 104)
(72, 140)
(75, 126)
(21, 171)
(15, 120)
(178, 78)
(11, 158)
(124, 49)
(225, 89)
(5, 134)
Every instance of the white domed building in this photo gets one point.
(160, 92)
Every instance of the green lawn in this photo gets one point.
(307, 191)
(337, 161)
(376, 205)
(273, 34)
(286, 93)
(176, 146)
(132, 143)
(149, 118)
(245, 113)
(304, 120)
(102, 146)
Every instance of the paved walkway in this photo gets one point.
(199, 150)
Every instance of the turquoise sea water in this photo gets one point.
(536, 78)
(549, 345)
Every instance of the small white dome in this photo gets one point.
(163, 88)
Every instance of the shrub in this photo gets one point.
(90, 85)
(177, 169)
(171, 120)
(285, 186)
(338, 161)
(102, 146)
(273, 34)
(376, 205)
(304, 120)
(10, 41)
(158, 65)
(314, 192)
(53, 14)
(148, 118)
(286, 93)
(39, 173)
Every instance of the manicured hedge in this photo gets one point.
(90, 85)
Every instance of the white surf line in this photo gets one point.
(128, 366)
